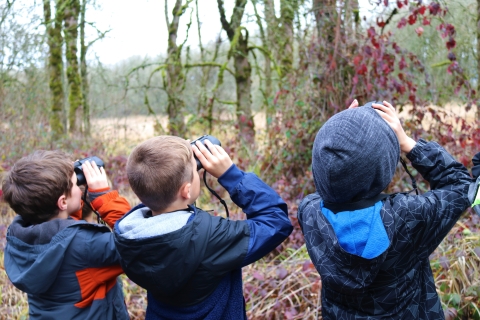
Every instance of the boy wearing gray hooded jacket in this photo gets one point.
(371, 249)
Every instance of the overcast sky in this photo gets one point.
(138, 27)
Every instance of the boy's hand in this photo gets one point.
(354, 104)
(96, 177)
(216, 161)
(389, 114)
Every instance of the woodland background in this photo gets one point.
(277, 71)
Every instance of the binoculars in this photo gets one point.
(77, 168)
(212, 139)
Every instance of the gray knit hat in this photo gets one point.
(355, 155)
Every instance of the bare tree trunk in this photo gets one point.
(243, 70)
(175, 75)
(75, 97)
(83, 70)
(55, 65)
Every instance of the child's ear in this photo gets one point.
(185, 190)
(62, 203)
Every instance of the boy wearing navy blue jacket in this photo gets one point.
(371, 249)
(189, 261)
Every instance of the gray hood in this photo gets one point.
(355, 155)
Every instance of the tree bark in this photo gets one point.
(175, 75)
(287, 14)
(55, 65)
(75, 97)
(83, 70)
(324, 11)
(243, 69)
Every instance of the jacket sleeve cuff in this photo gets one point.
(231, 178)
(94, 194)
(416, 151)
(98, 202)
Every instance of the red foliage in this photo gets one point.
(434, 8)
(380, 23)
(402, 23)
(451, 43)
(412, 18)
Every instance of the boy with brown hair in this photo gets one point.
(189, 261)
(68, 268)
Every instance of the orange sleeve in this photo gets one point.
(77, 215)
(111, 207)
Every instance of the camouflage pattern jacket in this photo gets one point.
(397, 284)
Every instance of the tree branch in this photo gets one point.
(226, 26)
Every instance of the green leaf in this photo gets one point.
(455, 298)
(300, 103)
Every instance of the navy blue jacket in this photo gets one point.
(397, 284)
(195, 272)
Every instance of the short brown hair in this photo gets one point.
(35, 182)
(157, 168)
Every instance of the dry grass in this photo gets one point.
(120, 135)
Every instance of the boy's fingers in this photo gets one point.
(211, 147)
(385, 116)
(95, 168)
(207, 154)
(388, 104)
(383, 108)
(200, 155)
(86, 169)
(221, 151)
(354, 104)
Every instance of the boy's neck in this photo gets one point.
(183, 205)
(60, 215)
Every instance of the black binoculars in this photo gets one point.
(77, 168)
(212, 139)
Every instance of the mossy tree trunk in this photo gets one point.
(55, 64)
(83, 69)
(175, 73)
(269, 11)
(287, 14)
(238, 37)
(324, 11)
(75, 97)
